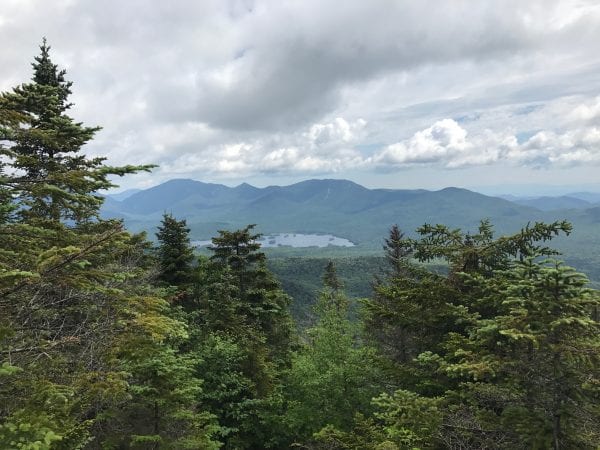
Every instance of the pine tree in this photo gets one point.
(505, 356)
(239, 251)
(330, 278)
(261, 301)
(57, 181)
(397, 250)
(411, 309)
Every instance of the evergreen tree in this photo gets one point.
(332, 295)
(243, 334)
(511, 333)
(397, 250)
(239, 251)
(332, 377)
(56, 181)
(261, 301)
(400, 421)
(72, 285)
(330, 278)
(533, 365)
(174, 252)
(481, 252)
(410, 312)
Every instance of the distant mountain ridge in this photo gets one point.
(348, 210)
(340, 207)
(120, 196)
(576, 200)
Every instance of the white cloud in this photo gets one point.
(586, 112)
(574, 140)
(322, 148)
(575, 147)
(445, 140)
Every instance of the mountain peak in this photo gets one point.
(245, 186)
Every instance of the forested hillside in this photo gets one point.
(108, 341)
(347, 210)
(340, 207)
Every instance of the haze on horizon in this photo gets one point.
(398, 94)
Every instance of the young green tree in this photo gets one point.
(516, 358)
(397, 249)
(331, 281)
(333, 376)
(410, 312)
(400, 421)
(261, 302)
(242, 332)
(175, 254)
(161, 409)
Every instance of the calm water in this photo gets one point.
(294, 240)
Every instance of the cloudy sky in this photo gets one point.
(405, 94)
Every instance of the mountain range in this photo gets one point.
(576, 200)
(340, 207)
(348, 210)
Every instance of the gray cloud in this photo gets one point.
(299, 55)
(219, 89)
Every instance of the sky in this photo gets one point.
(497, 96)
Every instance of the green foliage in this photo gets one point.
(261, 304)
(409, 420)
(24, 435)
(301, 278)
(56, 181)
(161, 405)
(515, 348)
(411, 312)
(226, 366)
(401, 421)
(540, 352)
(242, 334)
(74, 291)
(333, 376)
(174, 252)
(330, 278)
(480, 252)
(97, 351)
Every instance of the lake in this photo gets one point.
(294, 240)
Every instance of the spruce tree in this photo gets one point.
(514, 353)
(74, 291)
(332, 295)
(535, 362)
(330, 278)
(411, 309)
(56, 181)
(175, 255)
(397, 250)
(243, 334)
(261, 301)
(239, 251)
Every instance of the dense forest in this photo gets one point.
(110, 342)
